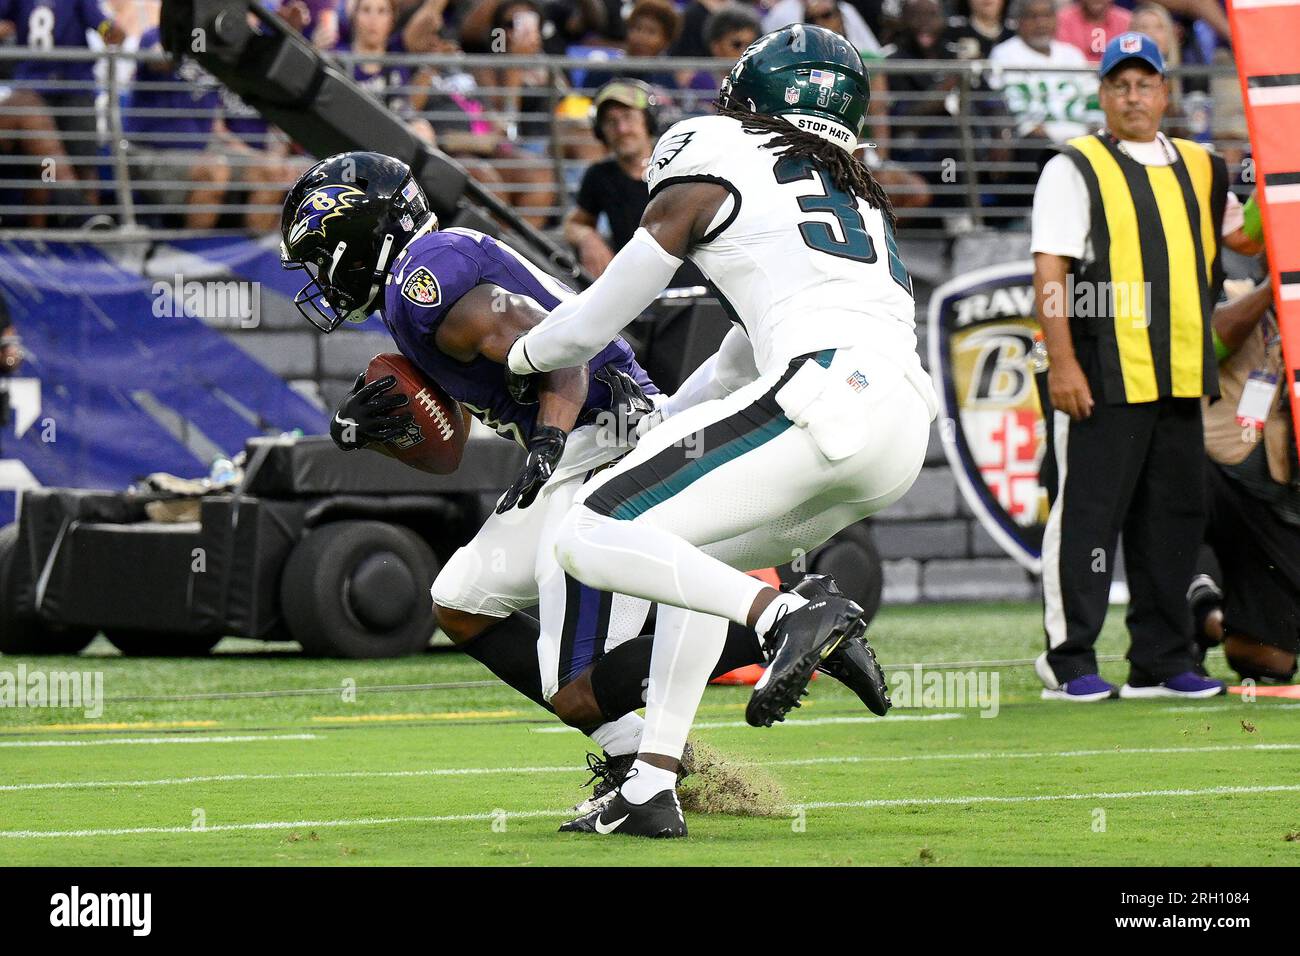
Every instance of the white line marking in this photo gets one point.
(1257, 4)
(243, 777)
(1034, 755)
(488, 771)
(1274, 95)
(810, 722)
(1289, 192)
(528, 814)
(278, 825)
(145, 741)
(1239, 706)
(1047, 797)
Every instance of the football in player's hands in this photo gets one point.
(433, 439)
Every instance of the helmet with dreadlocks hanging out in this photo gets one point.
(811, 77)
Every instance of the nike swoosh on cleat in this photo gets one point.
(611, 827)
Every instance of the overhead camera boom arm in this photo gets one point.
(258, 56)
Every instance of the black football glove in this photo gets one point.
(522, 388)
(628, 401)
(544, 451)
(362, 417)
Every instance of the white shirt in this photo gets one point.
(1039, 93)
(856, 30)
(1062, 219)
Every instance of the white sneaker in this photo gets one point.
(1087, 689)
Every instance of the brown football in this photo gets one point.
(435, 439)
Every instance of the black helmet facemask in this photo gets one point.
(347, 294)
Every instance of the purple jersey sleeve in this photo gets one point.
(92, 13)
(428, 281)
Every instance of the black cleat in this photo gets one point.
(607, 775)
(801, 639)
(659, 817)
(853, 663)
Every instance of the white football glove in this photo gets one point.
(651, 418)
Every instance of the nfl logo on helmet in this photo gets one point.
(792, 95)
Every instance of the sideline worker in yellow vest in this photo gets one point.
(1126, 230)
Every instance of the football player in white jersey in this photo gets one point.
(813, 414)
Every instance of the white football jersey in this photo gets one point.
(799, 264)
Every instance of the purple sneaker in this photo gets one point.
(1188, 684)
(1087, 689)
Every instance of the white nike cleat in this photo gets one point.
(660, 816)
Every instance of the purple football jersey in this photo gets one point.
(47, 24)
(431, 275)
(385, 84)
(173, 118)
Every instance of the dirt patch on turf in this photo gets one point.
(718, 784)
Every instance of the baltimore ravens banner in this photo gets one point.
(123, 378)
(982, 328)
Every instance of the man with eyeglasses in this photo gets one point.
(1127, 228)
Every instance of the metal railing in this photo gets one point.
(135, 153)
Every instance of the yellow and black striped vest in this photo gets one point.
(1155, 274)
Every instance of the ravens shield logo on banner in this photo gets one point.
(981, 330)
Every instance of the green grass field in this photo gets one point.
(455, 774)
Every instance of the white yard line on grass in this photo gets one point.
(1046, 797)
(280, 825)
(242, 777)
(156, 741)
(1241, 707)
(483, 771)
(810, 722)
(529, 814)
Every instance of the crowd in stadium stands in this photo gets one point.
(196, 153)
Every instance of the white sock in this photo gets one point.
(622, 736)
(686, 648)
(630, 557)
(644, 781)
(788, 602)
